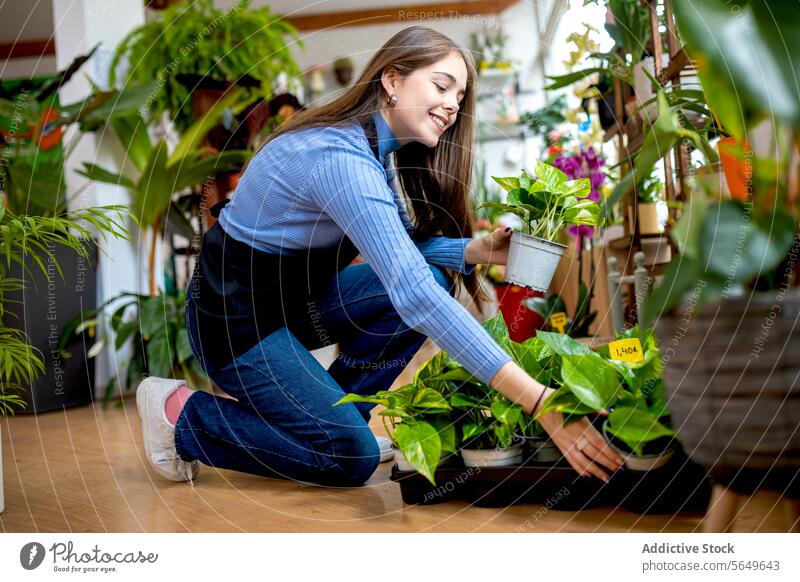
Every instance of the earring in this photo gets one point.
(392, 101)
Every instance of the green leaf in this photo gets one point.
(508, 184)
(715, 36)
(183, 346)
(98, 174)
(635, 427)
(496, 327)
(429, 398)
(421, 446)
(447, 432)
(550, 175)
(152, 316)
(735, 245)
(506, 413)
(562, 344)
(593, 380)
(160, 355)
(580, 188)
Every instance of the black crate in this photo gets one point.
(681, 485)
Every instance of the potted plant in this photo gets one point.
(192, 46)
(631, 392)
(732, 295)
(577, 325)
(417, 418)
(162, 174)
(647, 202)
(157, 330)
(33, 236)
(545, 202)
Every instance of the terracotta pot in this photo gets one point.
(522, 323)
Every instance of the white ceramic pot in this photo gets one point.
(532, 261)
(544, 451)
(645, 463)
(492, 457)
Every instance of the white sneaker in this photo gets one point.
(385, 445)
(158, 433)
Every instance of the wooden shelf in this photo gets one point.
(677, 63)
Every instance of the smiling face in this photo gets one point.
(427, 100)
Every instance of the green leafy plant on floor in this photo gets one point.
(193, 43)
(25, 241)
(548, 201)
(156, 327)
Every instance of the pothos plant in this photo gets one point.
(445, 408)
(547, 201)
(591, 381)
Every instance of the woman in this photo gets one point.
(273, 282)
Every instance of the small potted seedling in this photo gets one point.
(545, 202)
(417, 418)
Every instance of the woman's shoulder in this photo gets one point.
(321, 137)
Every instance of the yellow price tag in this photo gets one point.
(626, 350)
(558, 321)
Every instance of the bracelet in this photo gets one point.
(538, 400)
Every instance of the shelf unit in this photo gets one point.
(629, 139)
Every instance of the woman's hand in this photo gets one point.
(489, 249)
(582, 445)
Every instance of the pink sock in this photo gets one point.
(175, 403)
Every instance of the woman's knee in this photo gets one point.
(444, 279)
(356, 456)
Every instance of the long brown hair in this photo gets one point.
(437, 181)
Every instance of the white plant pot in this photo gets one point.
(492, 457)
(645, 463)
(545, 451)
(532, 261)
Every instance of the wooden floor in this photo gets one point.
(83, 470)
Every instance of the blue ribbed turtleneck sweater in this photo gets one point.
(308, 188)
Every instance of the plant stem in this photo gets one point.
(152, 258)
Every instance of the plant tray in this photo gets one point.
(680, 485)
